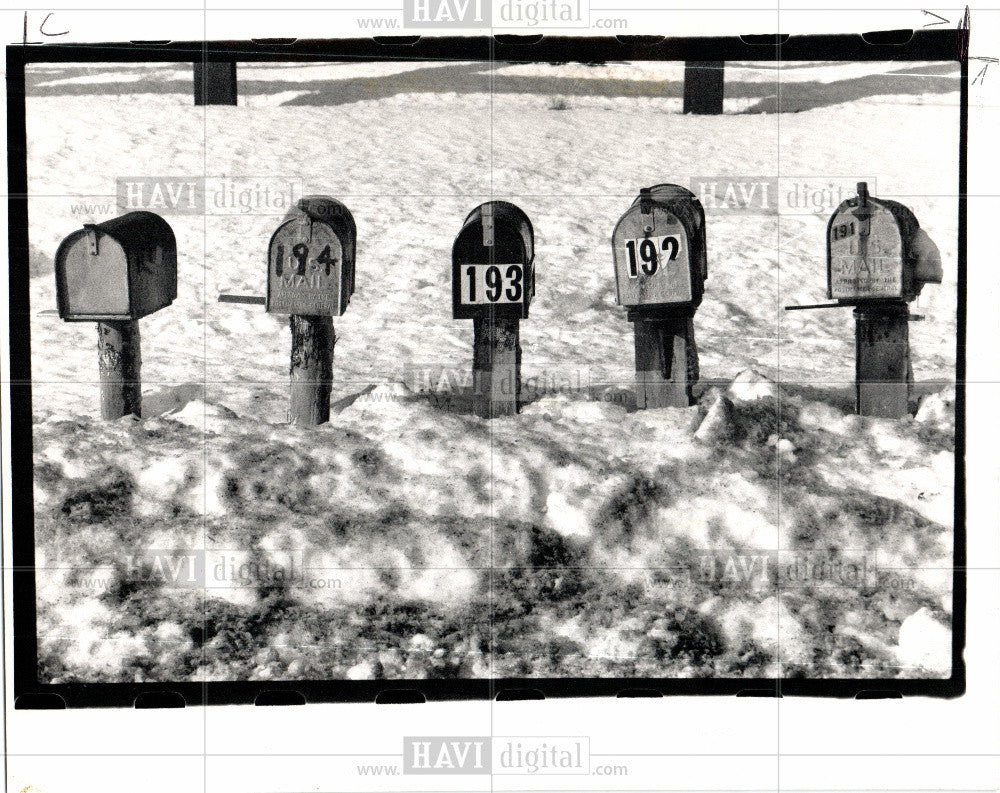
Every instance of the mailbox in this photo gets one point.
(310, 270)
(876, 250)
(493, 272)
(878, 259)
(119, 270)
(660, 251)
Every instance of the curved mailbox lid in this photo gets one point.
(659, 249)
(493, 270)
(508, 214)
(122, 269)
(868, 255)
(685, 204)
(311, 259)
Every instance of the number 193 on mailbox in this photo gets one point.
(492, 263)
(490, 284)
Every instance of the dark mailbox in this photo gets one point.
(122, 269)
(310, 269)
(660, 250)
(493, 272)
(876, 250)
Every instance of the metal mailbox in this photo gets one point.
(660, 250)
(119, 270)
(878, 259)
(310, 269)
(876, 250)
(493, 272)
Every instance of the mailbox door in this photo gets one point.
(89, 286)
(499, 287)
(652, 256)
(684, 203)
(495, 279)
(305, 270)
(338, 217)
(865, 254)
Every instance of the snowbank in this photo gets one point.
(594, 541)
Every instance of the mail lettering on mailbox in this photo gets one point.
(493, 263)
(865, 252)
(659, 250)
(122, 269)
(311, 260)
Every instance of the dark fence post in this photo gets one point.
(703, 87)
(214, 83)
(883, 360)
(311, 370)
(666, 361)
(496, 367)
(119, 361)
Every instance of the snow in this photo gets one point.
(924, 643)
(571, 539)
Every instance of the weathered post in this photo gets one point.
(496, 367)
(666, 361)
(119, 361)
(113, 274)
(882, 359)
(214, 83)
(493, 281)
(878, 260)
(311, 370)
(310, 277)
(660, 270)
(704, 87)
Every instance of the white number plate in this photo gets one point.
(486, 284)
(646, 254)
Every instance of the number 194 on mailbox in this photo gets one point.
(311, 259)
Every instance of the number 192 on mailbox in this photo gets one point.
(644, 255)
(488, 284)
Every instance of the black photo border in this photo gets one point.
(922, 45)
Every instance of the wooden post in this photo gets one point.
(882, 365)
(666, 361)
(703, 87)
(119, 360)
(214, 83)
(311, 370)
(496, 367)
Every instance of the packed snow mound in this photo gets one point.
(937, 410)
(717, 426)
(609, 554)
(925, 643)
(750, 385)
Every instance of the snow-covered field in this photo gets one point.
(579, 538)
